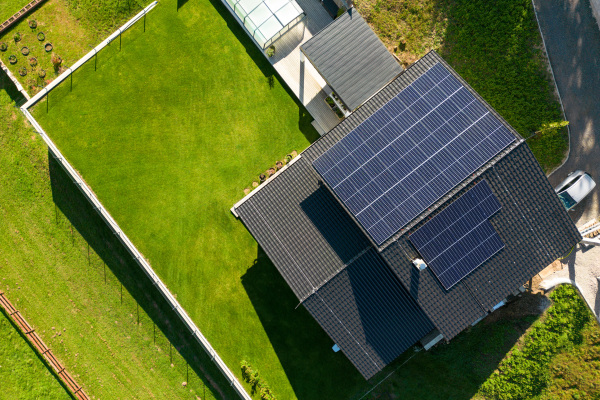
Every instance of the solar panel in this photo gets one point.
(460, 238)
(409, 153)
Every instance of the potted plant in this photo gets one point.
(3, 46)
(42, 73)
(17, 37)
(25, 50)
(12, 59)
(41, 36)
(23, 71)
(32, 23)
(48, 47)
(33, 61)
(271, 51)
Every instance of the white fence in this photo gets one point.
(87, 192)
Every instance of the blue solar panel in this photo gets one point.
(460, 238)
(410, 152)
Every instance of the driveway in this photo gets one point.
(573, 42)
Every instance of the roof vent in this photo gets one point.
(420, 264)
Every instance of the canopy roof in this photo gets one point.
(266, 19)
(351, 59)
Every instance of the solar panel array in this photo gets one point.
(409, 153)
(460, 238)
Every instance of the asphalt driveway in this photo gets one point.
(573, 42)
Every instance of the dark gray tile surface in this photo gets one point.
(351, 59)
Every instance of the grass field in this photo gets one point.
(22, 373)
(9, 7)
(45, 271)
(72, 27)
(494, 45)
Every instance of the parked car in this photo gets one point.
(574, 189)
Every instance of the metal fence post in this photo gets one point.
(71, 81)
(144, 22)
(120, 40)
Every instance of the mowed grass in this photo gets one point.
(46, 274)
(71, 27)
(9, 7)
(168, 132)
(22, 373)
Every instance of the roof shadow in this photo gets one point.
(334, 224)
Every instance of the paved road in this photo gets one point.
(573, 42)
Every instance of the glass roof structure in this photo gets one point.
(267, 20)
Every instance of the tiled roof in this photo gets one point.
(351, 58)
(368, 314)
(334, 269)
(533, 225)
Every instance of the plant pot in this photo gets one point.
(23, 71)
(17, 37)
(278, 165)
(33, 61)
(42, 73)
(3, 47)
(41, 36)
(12, 59)
(33, 24)
(262, 178)
(25, 51)
(48, 47)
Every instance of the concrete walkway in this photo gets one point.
(573, 42)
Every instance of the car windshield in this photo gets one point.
(567, 200)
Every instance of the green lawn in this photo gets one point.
(23, 374)
(494, 45)
(72, 27)
(9, 7)
(46, 273)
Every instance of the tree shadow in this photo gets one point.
(37, 354)
(95, 231)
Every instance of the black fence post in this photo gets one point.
(47, 97)
(171, 352)
(95, 60)
(71, 81)
(119, 40)
(144, 22)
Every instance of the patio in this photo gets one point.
(299, 74)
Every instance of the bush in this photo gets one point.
(271, 51)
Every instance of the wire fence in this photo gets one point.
(101, 210)
(142, 324)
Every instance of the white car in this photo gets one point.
(574, 189)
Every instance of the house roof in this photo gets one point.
(351, 59)
(343, 279)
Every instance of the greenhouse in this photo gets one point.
(266, 20)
